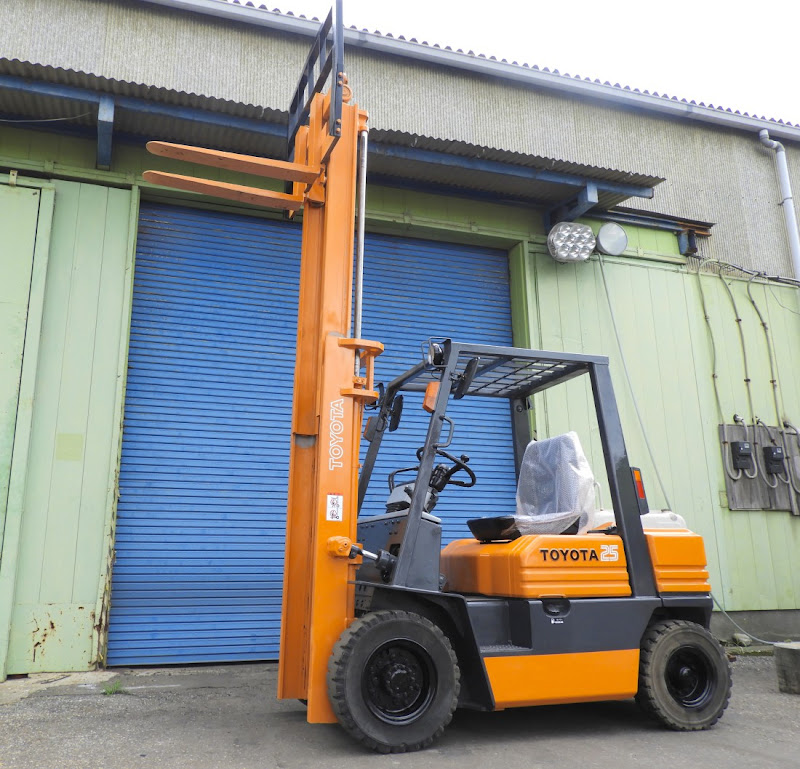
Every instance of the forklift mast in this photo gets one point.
(334, 369)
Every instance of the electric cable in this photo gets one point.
(760, 423)
(737, 474)
(775, 297)
(746, 380)
(45, 119)
(777, 400)
(630, 384)
(738, 626)
(787, 425)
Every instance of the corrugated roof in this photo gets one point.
(504, 156)
(102, 84)
(134, 123)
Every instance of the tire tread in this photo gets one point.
(646, 696)
(343, 650)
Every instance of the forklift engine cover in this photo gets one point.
(572, 566)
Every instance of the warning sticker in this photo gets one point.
(334, 509)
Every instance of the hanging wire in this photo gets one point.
(747, 382)
(630, 384)
(777, 299)
(734, 475)
(738, 626)
(787, 425)
(45, 119)
(776, 400)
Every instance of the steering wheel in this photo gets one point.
(458, 464)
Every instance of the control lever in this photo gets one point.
(384, 560)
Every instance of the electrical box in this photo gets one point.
(758, 467)
(742, 455)
(773, 459)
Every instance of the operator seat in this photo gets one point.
(555, 493)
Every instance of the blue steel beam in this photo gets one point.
(134, 104)
(661, 222)
(250, 125)
(507, 169)
(105, 132)
(570, 210)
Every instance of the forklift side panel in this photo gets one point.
(387, 532)
(558, 625)
(679, 561)
(552, 679)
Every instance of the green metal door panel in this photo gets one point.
(37, 487)
(19, 211)
(100, 457)
(72, 453)
(762, 567)
(78, 331)
(752, 555)
(700, 431)
(51, 637)
(783, 318)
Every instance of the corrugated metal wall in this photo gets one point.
(752, 554)
(72, 460)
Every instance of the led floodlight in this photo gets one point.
(570, 242)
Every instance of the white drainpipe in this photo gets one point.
(786, 195)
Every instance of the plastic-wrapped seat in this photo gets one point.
(555, 493)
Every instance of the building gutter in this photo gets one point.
(550, 81)
(787, 201)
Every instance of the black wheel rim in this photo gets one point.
(690, 677)
(399, 682)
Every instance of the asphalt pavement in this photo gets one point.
(227, 717)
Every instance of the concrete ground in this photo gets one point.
(227, 717)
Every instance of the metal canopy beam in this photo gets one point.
(263, 128)
(508, 169)
(134, 104)
(105, 131)
(574, 208)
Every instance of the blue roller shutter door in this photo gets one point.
(201, 514)
(416, 289)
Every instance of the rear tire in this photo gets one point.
(684, 676)
(393, 681)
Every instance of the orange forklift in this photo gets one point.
(382, 629)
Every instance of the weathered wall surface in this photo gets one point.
(667, 346)
(713, 174)
(72, 459)
(19, 212)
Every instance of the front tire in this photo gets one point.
(393, 681)
(684, 676)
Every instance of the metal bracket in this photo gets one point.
(687, 242)
(105, 130)
(574, 208)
